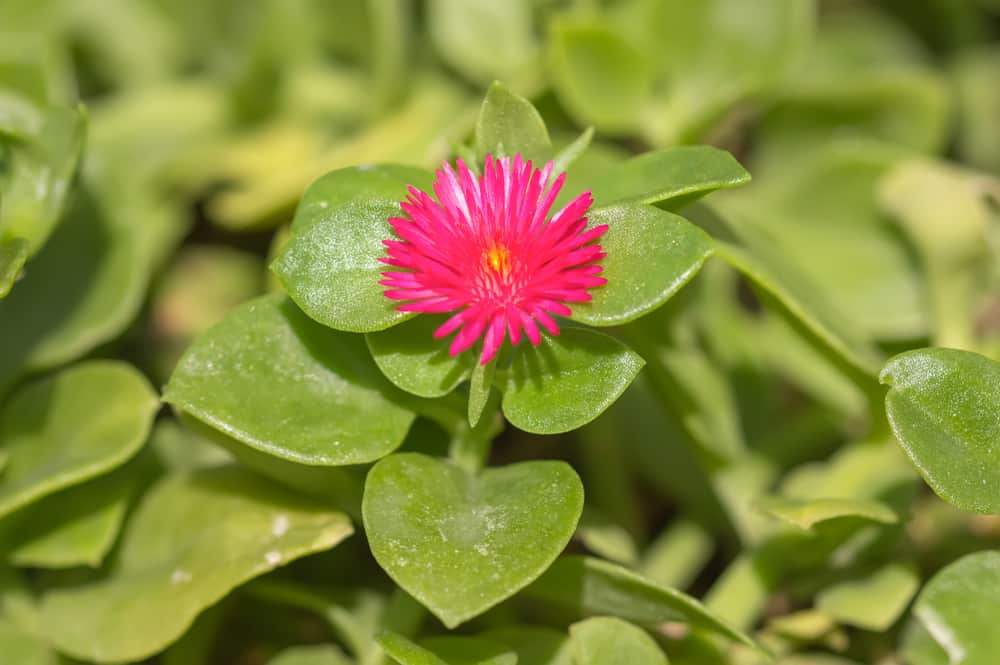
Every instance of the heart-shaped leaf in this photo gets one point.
(670, 178)
(70, 427)
(193, 539)
(611, 641)
(270, 377)
(651, 254)
(508, 125)
(460, 543)
(410, 357)
(330, 266)
(959, 607)
(874, 602)
(567, 381)
(943, 405)
(591, 586)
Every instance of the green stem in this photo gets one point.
(470, 446)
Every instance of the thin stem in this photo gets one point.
(470, 446)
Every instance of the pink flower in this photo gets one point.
(488, 250)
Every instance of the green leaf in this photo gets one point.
(39, 177)
(23, 649)
(405, 652)
(471, 651)
(270, 377)
(410, 357)
(534, 645)
(651, 254)
(320, 654)
(599, 76)
(483, 40)
(611, 641)
(13, 254)
(330, 266)
(806, 513)
(670, 178)
(459, 543)
(977, 87)
(567, 381)
(70, 427)
(592, 586)
(509, 125)
(91, 276)
(959, 606)
(955, 257)
(943, 405)
(194, 538)
(874, 602)
(74, 527)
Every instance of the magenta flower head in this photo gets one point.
(488, 250)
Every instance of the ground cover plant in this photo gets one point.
(463, 332)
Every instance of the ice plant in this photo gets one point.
(488, 250)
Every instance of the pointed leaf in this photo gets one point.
(874, 602)
(509, 125)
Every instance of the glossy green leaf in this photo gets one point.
(74, 527)
(480, 388)
(193, 539)
(23, 649)
(410, 357)
(592, 586)
(321, 654)
(330, 266)
(806, 513)
(611, 641)
(874, 602)
(534, 645)
(670, 178)
(483, 40)
(567, 381)
(600, 77)
(959, 606)
(509, 125)
(270, 377)
(70, 427)
(13, 254)
(81, 290)
(460, 543)
(943, 406)
(670, 250)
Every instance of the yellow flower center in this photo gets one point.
(497, 257)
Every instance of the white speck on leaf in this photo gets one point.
(180, 576)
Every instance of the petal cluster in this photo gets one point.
(488, 250)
